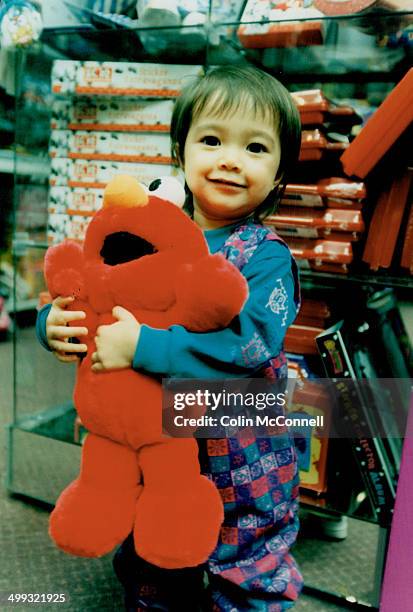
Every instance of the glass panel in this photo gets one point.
(337, 47)
(183, 44)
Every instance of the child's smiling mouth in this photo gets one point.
(226, 183)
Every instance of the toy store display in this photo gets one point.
(166, 13)
(301, 339)
(316, 110)
(20, 23)
(312, 446)
(310, 397)
(280, 24)
(334, 192)
(335, 8)
(112, 146)
(97, 173)
(120, 127)
(381, 153)
(313, 312)
(112, 114)
(183, 23)
(321, 255)
(74, 200)
(315, 145)
(311, 320)
(133, 477)
(321, 219)
(121, 78)
(338, 352)
(326, 126)
(382, 131)
(386, 223)
(334, 224)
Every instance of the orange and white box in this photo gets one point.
(97, 173)
(288, 24)
(122, 78)
(61, 226)
(82, 201)
(112, 114)
(114, 146)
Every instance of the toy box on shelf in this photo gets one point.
(120, 127)
(309, 397)
(121, 78)
(111, 146)
(280, 24)
(112, 114)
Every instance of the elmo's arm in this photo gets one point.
(210, 293)
(63, 270)
(64, 274)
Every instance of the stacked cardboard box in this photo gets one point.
(288, 24)
(114, 119)
(321, 220)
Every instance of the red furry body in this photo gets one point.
(174, 511)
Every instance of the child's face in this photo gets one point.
(231, 163)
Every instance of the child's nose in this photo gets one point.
(229, 159)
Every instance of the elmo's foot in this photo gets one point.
(89, 522)
(180, 527)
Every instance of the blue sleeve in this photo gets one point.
(41, 326)
(253, 337)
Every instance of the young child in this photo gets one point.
(236, 134)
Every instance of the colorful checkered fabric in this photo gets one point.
(258, 483)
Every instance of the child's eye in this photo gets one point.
(211, 141)
(256, 147)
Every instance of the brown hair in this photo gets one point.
(231, 88)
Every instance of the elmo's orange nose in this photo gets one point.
(124, 190)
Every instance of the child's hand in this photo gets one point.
(116, 343)
(58, 331)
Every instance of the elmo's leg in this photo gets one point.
(179, 514)
(97, 510)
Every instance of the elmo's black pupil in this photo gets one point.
(121, 247)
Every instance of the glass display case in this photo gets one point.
(355, 60)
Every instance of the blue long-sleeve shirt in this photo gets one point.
(254, 337)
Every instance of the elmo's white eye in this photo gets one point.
(168, 188)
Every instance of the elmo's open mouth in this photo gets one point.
(122, 247)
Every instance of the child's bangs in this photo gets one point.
(226, 101)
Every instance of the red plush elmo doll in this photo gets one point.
(143, 253)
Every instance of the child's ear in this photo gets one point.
(278, 179)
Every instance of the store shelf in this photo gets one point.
(23, 165)
(310, 279)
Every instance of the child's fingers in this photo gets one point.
(58, 332)
(67, 347)
(97, 365)
(74, 315)
(66, 358)
(62, 302)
